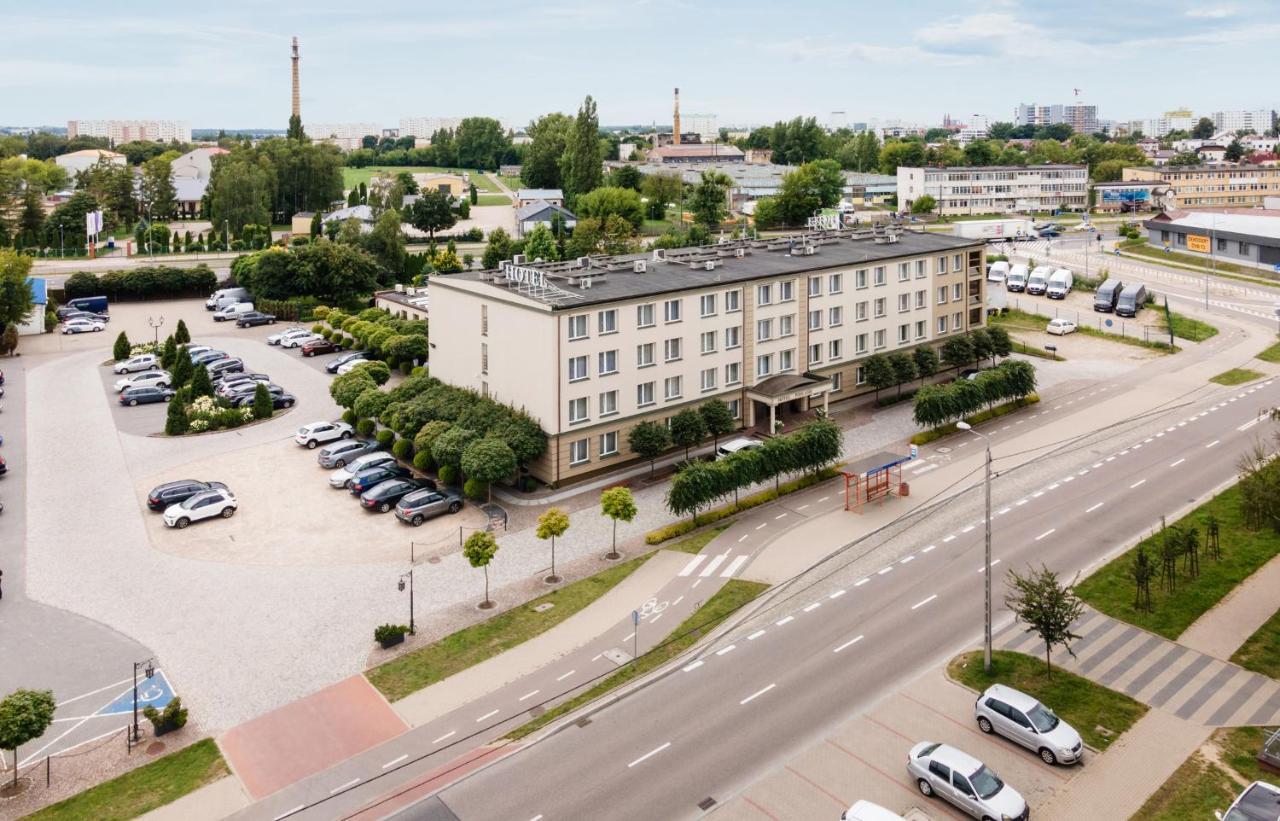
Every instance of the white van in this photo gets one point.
(998, 271)
(734, 445)
(1016, 280)
(1039, 279)
(232, 311)
(1060, 284)
(223, 297)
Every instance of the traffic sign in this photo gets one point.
(635, 617)
(1109, 323)
(915, 449)
(1278, 268)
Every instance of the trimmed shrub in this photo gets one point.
(684, 526)
(371, 404)
(475, 490)
(262, 406)
(365, 426)
(385, 437)
(321, 311)
(145, 282)
(379, 372)
(349, 416)
(120, 350)
(421, 459)
(420, 370)
(317, 328)
(448, 475)
(402, 449)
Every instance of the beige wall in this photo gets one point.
(433, 182)
(1214, 187)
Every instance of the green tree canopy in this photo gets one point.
(16, 300)
(649, 440)
(24, 716)
(606, 201)
(432, 211)
(617, 503)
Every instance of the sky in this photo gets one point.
(226, 64)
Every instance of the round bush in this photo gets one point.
(365, 426)
(321, 311)
(448, 475)
(402, 449)
(421, 459)
(349, 416)
(406, 367)
(386, 437)
(317, 328)
(475, 490)
(420, 370)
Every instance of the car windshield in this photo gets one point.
(1042, 718)
(986, 783)
(187, 503)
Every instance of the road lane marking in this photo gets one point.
(1095, 507)
(597, 656)
(489, 714)
(884, 570)
(528, 695)
(967, 529)
(904, 561)
(763, 525)
(654, 620)
(1123, 452)
(695, 584)
(1097, 465)
(1148, 440)
(394, 761)
(712, 565)
(288, 813)
(923, 602)
(1247, 425)
(1137, 483)
(783, 621)
(1020, 502)
(627, 637)
(1037, 494)
(930, 547)
(860, 582)
(1175, 464)
(724, 650)
(1048, 532)
(734, 566)
(824, 498)
(745, 536)
(993, 564)
(1082, 471)
(1211, 444)
(652, 752)
(836, 594)
(1137, 446)
(1053, 486)
(694, 666)
(1068, 479)
(571, 672)
(802, 507)
(779, 516)
(1110, 459)
(449, 734)
(692, 565)
(757, 634)
(848, 643)
(537, 817)
(950, 538)
(757, 693)
(813, 607)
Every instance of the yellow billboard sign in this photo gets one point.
(1197, 243)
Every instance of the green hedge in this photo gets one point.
(146, 282)
(684, 526)
(925, 437)
(294, 309)
(938, 404)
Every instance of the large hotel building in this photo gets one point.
(592, 347)
(1214, 185)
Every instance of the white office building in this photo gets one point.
(996, 189)
(127, 131)
(423, 127)
(1259, 120)
(347, 136)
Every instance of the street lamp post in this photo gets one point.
(400, 587)
(149, 668)
(155, 326)
(986, 573)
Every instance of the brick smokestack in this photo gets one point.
(297, 92)
(675, 121)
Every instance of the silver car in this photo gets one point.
(965, 781)
(339, 454)
(1019, 717)
(340, 477)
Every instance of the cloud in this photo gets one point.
(1211, 13)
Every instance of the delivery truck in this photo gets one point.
(997, 230)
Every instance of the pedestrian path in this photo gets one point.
(1191, 685)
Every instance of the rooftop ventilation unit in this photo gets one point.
(639, 266)
(659, 254)
(518, 259)
(584, 262)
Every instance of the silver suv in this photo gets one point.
(964, 781)
(1019, 717)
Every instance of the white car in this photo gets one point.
(867, 811)
(141, 362)
(1020, 718)
(963, 780)
(276, 339)
(299, 340)
(81, 326)
(317, 433)
(150, 379)
(339, 478)
(1060, 327)
(206, 505)
(348, 367)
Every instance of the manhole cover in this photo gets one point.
(617, 656)
(706, 803)
(544, 607)
(434, 560)
(584, 721)
(944, 450)
(155, 747)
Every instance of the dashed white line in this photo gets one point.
(1053, 486)
(597, 657)
(627, 637)
(287, 813)
(1068, 479)
(824, 498)
(1123, 453)
(884, 570)
(802, 507)
(1097, 465)
(1095, 507)
(813, 607)
(757, 693)
(923, 602)
(783, 620)
(537, 817)
(779, 516)
(930, 547)
(694, 666)
(654, 620)
(860, 582)
(1211, 444)
(1148, 440)
(950, 538)
(1137, 483)
(695, 584)
(728, 649)
(757, 634)
(848, 643)
(394, 761)
(654, 751)
(1048, 532)
(1037, 494)
(677, 601)
(1175, 464)
(745, 536)
(528, 695)
(1110, 459)
(993, 564)
(836, 594)
(489, 714)
(1082, 471)
(1247, 425)
(967, 529)
(571, 672)
(762, 525)
(1020, 502)
(449, 734)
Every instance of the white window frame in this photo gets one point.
(671, 311)
(766, 360)
(643, 311)
(673, 381)
(578, 323)
(604, 369)
(835, 349)
(608, 443)
(835, 283)
(786, 325)
(764, 330)
(815, 319)
(835, 316)
(607, 322)
(708, 342)
(580, 457)
(787, 290)
(707, 305)
(574, 374)
(674, 344)
(579, 403)
(732, 301)
(815, 286)
(708, 384)
(764, 294)
(641, 350)
(786, 360)
(645, 388)
(733, 374)
(732, 337)
(610, 407)
(815, 353)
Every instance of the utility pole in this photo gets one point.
(986, 573)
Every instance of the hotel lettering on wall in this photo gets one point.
(526, 276)
(1195, 242)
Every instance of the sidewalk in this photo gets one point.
(209, 803)
(1222, 630)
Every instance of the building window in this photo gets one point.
(879, 280)
(861, 346)
(835, 283)
(1164, 237)
(942, 324)
(880, 339)
(957, 292)
(732, 373)
(1222, 244)
(835, 317)
(942, 265)
(608, 403)
(860, 278)
(578, 452)
(904, 303)
(608, 362)
(861, 312)
(672, 387)
(609, 443)
(708, 380)
(815, 353)
(707, 304)
(922, 268)
(764, 365)
(942, 295)
(880, 307)
(787, 290)
(835, 349)
(644, 315)
(764, 295)
(957, 320)
(860, 376)
(484, 320)
(786, 360)
(732, 337)
(577, 410)
(644, 394)
(644, 355)
(904, 333)
(484, 358)
(732, 301)
(956, 263)
(577, 368)
(815, 320)
(815, 286)
(708, 341)
(578, 327)
(764, 330)
(608, 321)
(921, 328)
(671, 349)
(735, 408)
(1242, 248)
(904, 271)
(837, 382)
(671, 310)
(921, 298)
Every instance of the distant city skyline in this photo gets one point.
(515, 61)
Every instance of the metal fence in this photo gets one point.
(1104, 322)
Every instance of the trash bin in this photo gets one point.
(904, 489)
(111, 245)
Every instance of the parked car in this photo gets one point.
(735, 445)
(1104, 299)
(1016, 279)
(339, 454)
(378, 474)
(866, 811)
(158, 379)
(252, 318)
(207, 356)
(3, 467)
(226, 381)
(280, 398)
(348, 367)
(339, 478)
(1060, 327)
(1038, 282)
(416, 507)
(81, 326)
(338, 362)
(275, 338)
(226, 296)
(1260, 801)
(963, 780)
(386, 495)
(141, 362)
(93, 304)
(144, 395)
(233, 311)
(247, 389)
(208, 504)
(1131, 299)
(1020, 718)
(231, 364)
(171, 493)
(996, 273)
(318, 346)
(1060, 283)
(86, 315)
(317, 433)
(299, 340)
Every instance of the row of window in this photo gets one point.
(607, 443)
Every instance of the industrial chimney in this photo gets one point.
(675, 121)
(297, 95)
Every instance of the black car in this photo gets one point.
(382, 497)
(3, 467)
(339, 361)
(243, 389)
(279, 398)
(229, 365)
(366, 479)
(144, 395)
(170, 493)
(255, 318)
(208, 357)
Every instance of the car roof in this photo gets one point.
(177, 482)
(1014, 698)
(866, 811)
(955, 759)
(739, 443)
(1260, 800)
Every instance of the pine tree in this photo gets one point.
(180, 334)
(201, 384)
(182, 369)
(121, 348)
(169, 353)
(262, 407)
(176, 422)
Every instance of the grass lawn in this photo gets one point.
(1199, 263)
(138, 791)
(655, 228)
(1184, 327)
(1271, 354)
(699, 540)
(514, 183)
(493, 199)
(1081, 703)
(437, 661)
(1236, 376)
(1199, 786)
(351, 177)
(1015, 319)
(728, 599)
(1110, 590)
(1261, 651)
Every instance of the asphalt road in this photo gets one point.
(832, 646)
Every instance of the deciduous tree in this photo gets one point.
(718, 418)
(617, 503)
(688, 429)
(552, 524)
(1046, 606)
(649, 440)
(24, 716)
(488, 460)
(480, 548)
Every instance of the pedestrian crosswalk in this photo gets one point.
(1158, 672)
(727, 564)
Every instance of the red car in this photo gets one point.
(319, 346)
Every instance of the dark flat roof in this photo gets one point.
(674, 275)
(875, 463)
